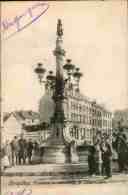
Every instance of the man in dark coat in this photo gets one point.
(122, 150)
(106, 158)
(22, 150)
(91, 160)
(15, 150)
(29, 151)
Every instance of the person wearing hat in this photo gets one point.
(98, 158)
(122, 150)
(106, 158)
(91, 160)
(22, 149)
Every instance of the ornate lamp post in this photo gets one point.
(56, 150)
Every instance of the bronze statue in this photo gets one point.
(59, 28)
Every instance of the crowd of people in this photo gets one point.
(100, 154)
(100, 158)
(120, 145)
(19, 151)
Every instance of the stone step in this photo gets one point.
(54, 179)
(50, 170)
(44, 170)
(29, 180)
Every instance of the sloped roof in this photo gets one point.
(22, 115)
(6, 116)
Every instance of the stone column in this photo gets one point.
(56, 150)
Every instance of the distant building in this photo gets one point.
(120, 118)
(11, 127)
(14, 123)
(84, 117)
(27, 117)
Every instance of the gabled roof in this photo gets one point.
(6, 116)
(22, 115)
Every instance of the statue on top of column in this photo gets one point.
(59, 28)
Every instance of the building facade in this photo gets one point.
(84, 117)
(11, 127)
(22, 122)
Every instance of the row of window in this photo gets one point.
(79, 107)
(80, 133)
(96, 122)
(83, 133)
(106, 123)
(107, 115)
(93, 111)
(80, 118)
(87, 120)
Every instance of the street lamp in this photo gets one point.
(69, 68)
(50, 80)
(73, 73)
(39, 70)
(77, 75)
(56, 150)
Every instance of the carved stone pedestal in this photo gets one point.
(56, 154)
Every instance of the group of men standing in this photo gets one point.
(120, 144)
(20, 151)
(99, 158)
(101, 154)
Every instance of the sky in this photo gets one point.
(95, 38)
